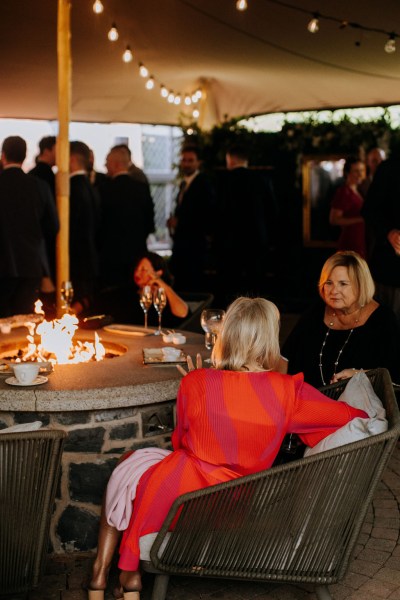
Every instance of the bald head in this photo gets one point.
(117, 161)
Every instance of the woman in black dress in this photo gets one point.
(347, 331)
(122, 302)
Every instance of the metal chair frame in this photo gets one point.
(294, 523)
(29, 471)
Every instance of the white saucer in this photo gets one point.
(38, 381)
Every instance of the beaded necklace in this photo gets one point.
(338, 356)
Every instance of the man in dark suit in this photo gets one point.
(191, 223)
(127, 220)
(246, 216)
(27, 216)
(381, 212)
(44, 171)
(84, 226)
(45, 161)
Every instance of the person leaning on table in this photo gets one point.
(122, 302)
(231, 420)
(347, 330)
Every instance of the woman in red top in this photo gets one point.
(346, 208)
(231, 421)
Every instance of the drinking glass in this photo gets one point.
(146, 300)
(211, 321)
(160, 302)
(67, 294)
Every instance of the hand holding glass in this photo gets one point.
(211, 321)
(160, 302)
(146, 300)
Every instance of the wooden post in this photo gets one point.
(62, 148)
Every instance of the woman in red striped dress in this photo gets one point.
(231, 421)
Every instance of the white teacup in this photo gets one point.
(26, 373)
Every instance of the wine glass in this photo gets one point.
(67, 294)
(211, 321)
(160, 302)
(146, 300)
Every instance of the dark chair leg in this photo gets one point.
(160, 587)
(322, 592)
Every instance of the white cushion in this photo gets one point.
(146, 542)
(22, 427)
(358, 393)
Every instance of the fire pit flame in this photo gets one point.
(57, 345)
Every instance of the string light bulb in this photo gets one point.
(196, 113)
(188, 100)
(241, 5)
(390, 45)
(127, 56)
(98, 7)
(194, 98)
(313, 25)
(113, 34)
(199, 94)
(150, 83)
(143, 71)
(171, 97)
(178, 99)
(164, 91)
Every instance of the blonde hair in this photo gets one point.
(249, 336)
(359, 274)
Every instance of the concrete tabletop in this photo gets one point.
(118, 382)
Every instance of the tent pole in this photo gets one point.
(62, 148)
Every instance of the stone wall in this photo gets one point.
(95, 442)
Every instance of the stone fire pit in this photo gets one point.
(107, 408)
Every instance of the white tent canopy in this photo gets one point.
(253, 62)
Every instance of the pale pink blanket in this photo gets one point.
(121, 488)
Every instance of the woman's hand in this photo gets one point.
(345, 374)
(154, 279)
(191, 367)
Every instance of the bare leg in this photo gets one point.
(131, 581)
(107, 543)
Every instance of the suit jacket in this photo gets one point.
(245, 212)
(194, 216)
(127, 220)
(27, 217)
(381, 211)
(84, 223)
(43, 171)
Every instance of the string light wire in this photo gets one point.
(392, 35)
(289, 51)
(127, 57)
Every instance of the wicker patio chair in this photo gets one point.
(295, 523)
(29, 469)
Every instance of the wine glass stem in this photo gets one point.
(145, 319)
(159, 322)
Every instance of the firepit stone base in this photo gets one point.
(95, 442)
(106, 408)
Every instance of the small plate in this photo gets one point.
(155, 356)
(38, 381)
(135, 330)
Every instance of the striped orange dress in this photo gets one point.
(229, 424)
